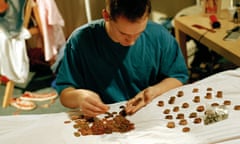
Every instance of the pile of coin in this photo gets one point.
(112, 122)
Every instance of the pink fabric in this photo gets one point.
(52, 23)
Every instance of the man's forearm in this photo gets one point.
(69, 98)
(166, 85)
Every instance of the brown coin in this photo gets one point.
(68, 121)
(161, 103)
(195, 90)
(196, 99)
(171, 100)
(183, 122)
(77, 134)
(108, 115)
(166, 111)
(114, 113)
(197, 120)
(180, 116)
(76, 126)
(208, 96)
(124, 113)
(219, 94)
(186, 129)
(227, 102)
(168, 117)
(171, 124)
(176, 109)
(209, 89)
(237, 107)
(215, 104)
(180, 93)
(185, 105)
(193, 115)
(200, 108)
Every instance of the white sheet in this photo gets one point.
(150, 122)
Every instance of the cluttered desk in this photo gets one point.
(204, 112)
(225, 40)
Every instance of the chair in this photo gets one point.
(30, 9)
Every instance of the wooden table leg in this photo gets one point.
(181, 38)
(8, 94)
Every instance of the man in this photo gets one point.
(122, 57)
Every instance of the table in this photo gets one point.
(150, 122)
(228, 49)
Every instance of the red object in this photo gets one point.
(213, 18)
(3, 79)
(202, 27)
(214, 21)
(3, 6)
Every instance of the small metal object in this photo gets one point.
(230, 32)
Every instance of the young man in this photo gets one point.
(120, 57)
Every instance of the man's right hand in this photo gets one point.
(88, 101)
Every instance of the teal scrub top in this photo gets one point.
(117, 73)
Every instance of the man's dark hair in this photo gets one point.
(131, 9)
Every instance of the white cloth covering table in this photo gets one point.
(150, 122)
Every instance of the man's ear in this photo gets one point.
(105, 15)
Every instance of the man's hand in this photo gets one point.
(150, 93)
(140, 100)
(88, 101)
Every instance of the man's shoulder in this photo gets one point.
(95, 25)
(155, 26)
(156, 29)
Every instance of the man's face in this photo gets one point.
(124, 31)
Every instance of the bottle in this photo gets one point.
(211, 7)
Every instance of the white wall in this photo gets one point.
(171, 7)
